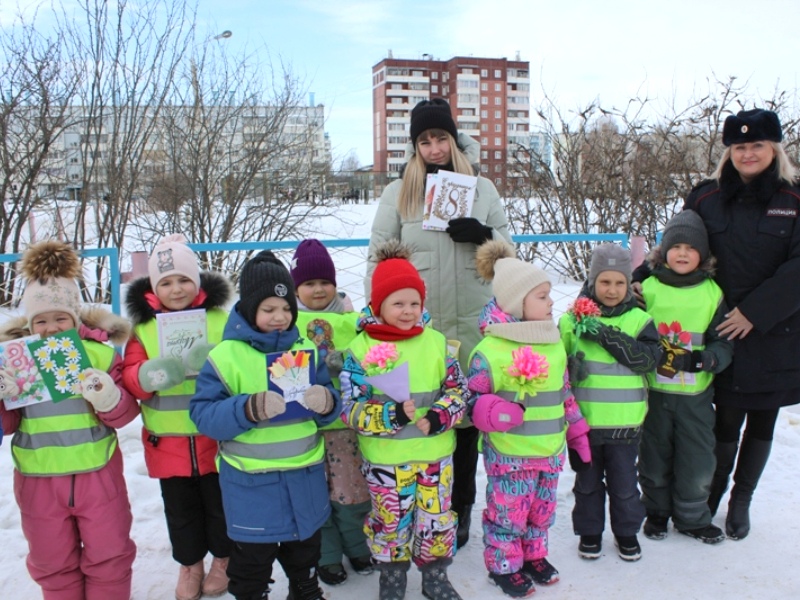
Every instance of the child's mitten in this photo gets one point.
(493, 414)
(580, 452)
(8, 386)
(159, 374)
(692, 362)
(263, 406)
(319, 399)
(197, 356)
(576, 367)
(99, 390)
(335, 361)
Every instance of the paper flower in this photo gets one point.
(527, 372)
(42, 354)
(291, 370)
(583, 315)
(380, 359)
(63, 385)
(674, 334)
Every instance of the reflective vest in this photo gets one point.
(328, 331)
(694, 308)
(543, 431)
(66, 437)
(278, 446)
(612, 396)
(167, 412)
(426, 355)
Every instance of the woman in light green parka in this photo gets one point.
(445, 260)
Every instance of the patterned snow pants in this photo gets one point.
(520, 508)
(410, 516)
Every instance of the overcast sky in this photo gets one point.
(578, 49)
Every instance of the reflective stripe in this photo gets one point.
(275, 451)
(421, 399)
(540, 399)
(71, 406)
(595, 367)
(178, 402)
(539, 427)
(75, 437)
(583, 394)
(698, 339)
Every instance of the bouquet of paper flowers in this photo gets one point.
(583, 315)
(380, 359)
(527, 372)
(674, 334)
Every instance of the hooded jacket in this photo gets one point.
(455, 293)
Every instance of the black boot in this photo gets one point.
(753, 458)
(306, 588)
(464, 520)
(726, 456)
(435, 583)
(393, 579)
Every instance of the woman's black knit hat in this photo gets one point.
(432, 114)
(264, 276)
(752, 126)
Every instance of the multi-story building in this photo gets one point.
(489, 97)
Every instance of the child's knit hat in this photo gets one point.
(312, 261)
(51, 268)
(264, 276)
(686, 227)
(511, 277)
(172, 256)
(610, 257)
(394, 272)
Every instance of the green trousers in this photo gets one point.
(343, 533)
(676, 457)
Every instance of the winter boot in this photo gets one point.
(362, 565)
(590, 546)
(514, 585)
(393, 580)
(710, 534)
(332, 574)
(752, 460)
(306, 588)
(435, 584)
(189, 581)
(655, 527)
(628, 547)
(216, 583)
(541, 571)
(726, 456)
(464, 521)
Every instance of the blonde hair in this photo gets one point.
(412, 191)
(786, 169)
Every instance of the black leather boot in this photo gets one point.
(726, 456)
(753, 458)
(464, 520)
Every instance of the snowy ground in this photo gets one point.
(765, 566)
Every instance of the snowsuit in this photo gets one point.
(77, 523)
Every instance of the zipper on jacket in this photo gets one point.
(72, 492)
(193, 454)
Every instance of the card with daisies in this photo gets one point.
(61, 359)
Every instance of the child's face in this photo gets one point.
(273, 314)
(316, 294)
(683, 259)
(176, 292)
(538, 305)
(611, 288)
(51, 323)
(402, 309)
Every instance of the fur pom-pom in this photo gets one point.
(489, 253)
(45, 260)
(393, 248)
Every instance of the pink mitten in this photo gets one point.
(493, 414)
(578, 440)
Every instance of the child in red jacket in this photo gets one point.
(175, 452)
(68, 479)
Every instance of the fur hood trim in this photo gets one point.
(219, 292)
(93, 317)
(656, 258)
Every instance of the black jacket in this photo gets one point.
(754, 233)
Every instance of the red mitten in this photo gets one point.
(493, 414)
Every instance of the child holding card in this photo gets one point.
(271, 467)
(68, 479)
(326, 317)
(406, 435)
(175, 453)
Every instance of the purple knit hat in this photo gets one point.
(312, 261)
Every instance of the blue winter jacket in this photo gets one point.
(261, 508)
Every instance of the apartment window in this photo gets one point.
(498, 168)
(484, 87)
(467, 83)
(498, 155)
(484, 154)
(397, 86)
(416, 73)
(497, 141)
(497, 128)
(497, 101)
(497, 114)
(397, 127)
(497, 74)
(434, 88)
(484, 127)
(484, 114)
(434, 75)
(484, 100)
(496, 87)
(484, 168)
(484, 72)
(498, 181)
(484, 141)
(445, 76)
(397, 100)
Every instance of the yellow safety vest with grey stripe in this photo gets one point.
(269, 446)
(166, 414)
(543, 430)
(694, 308)
(329, 332)
(612, 396)
(66, 437)
(426, 355)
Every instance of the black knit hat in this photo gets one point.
(686, 227)
(432, 114)
(264, 276)
(752, 126)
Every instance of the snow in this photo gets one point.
(763, 566)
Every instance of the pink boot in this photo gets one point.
(189, 581)
(216, 584)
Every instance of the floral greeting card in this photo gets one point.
(451, 197)
(19, 367)
(179, 332)
(673, 337)
(61, 360)
(291, 374)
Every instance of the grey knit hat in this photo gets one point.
(610, 257)
(686, 227)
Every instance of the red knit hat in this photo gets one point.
(394, 272)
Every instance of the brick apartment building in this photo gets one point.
(489, 97)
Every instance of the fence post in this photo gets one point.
(637, 250)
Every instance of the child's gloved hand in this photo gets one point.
(99, 390)
(8, 385)
(319, 399)
(159, 374)
(263, 406)
(492, 413)
(595, 336)
(689, 362)
(197, 356)
(579, 450)
(335, 361)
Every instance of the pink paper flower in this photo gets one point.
(380, 358)
(527, 372)
(584, 307)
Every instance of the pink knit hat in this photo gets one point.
(172, 256)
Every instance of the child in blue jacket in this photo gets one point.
(271, 469)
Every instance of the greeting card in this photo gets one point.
(452, 196)
(673, 337)
(179, 332)
(290, 374)
(19, 367)
(61, 360)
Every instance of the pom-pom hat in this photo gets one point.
(752, 126)
(394, 272)
(312, 261)
(431, 114)
(264, 276)
(51, 269)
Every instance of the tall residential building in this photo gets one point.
(489, 98)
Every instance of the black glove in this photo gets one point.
(576, 367)
(468, 229)
(575, 461)
(596, 336)
(689, 362)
